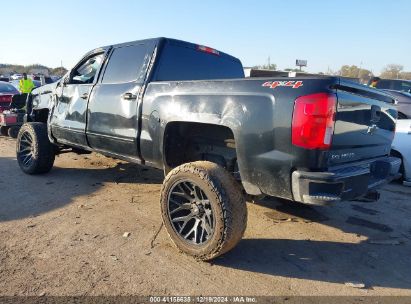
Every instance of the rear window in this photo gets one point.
(179, 62)
(126, 64)
(7, 88)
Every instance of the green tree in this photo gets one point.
(293, 70)
(354, 71)
(271, 66)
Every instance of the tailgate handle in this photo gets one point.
(375, 113)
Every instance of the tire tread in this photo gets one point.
(229, 195)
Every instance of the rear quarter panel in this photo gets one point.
(259, 117)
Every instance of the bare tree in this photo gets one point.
(392, 71)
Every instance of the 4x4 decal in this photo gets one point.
(274, 84)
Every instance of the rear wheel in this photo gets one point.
(203, 209)
(13, 132)
(35, 153)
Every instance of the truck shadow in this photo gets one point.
(316, 259)
(61, 185)
(375, 265)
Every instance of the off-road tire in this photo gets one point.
(13, 132)
(226, 199)
(41, 149)
(4, 131)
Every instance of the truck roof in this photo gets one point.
(160, 40)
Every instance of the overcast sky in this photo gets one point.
(326, 33)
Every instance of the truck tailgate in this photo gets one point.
(364, 124)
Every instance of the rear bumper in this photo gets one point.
(343, 183)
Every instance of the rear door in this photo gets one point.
(113, 110)
(365, 124)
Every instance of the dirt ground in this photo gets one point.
(62, 234)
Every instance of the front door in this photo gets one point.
(68, 120)
(113, 118)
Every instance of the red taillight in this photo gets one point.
(10, 119)
(313, 121)
(207, 49)
(5, 98)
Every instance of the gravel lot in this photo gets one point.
(62, 234)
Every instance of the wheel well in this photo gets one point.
(395, 153)
(40, 115)
(187, 142)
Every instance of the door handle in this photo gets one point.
(84, 96)
(129, 96)
(375, 113)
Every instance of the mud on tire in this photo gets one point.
(35, 153)
(220, 196)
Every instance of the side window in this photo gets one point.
(86, 72)
(126, 64)
(406, 86)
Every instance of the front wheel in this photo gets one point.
(35, 153)
(203, 209)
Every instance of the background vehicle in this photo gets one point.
(12, 118)
(394, 84)
(401, 147)
(42, 79)
(404, 103)
(4, 78)
(6, 94)
(16, 76)
(188, 110)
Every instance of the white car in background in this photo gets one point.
(401, 147)
(16, 76)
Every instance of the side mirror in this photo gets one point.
(66, 79)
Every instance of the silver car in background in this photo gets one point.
(401, 147)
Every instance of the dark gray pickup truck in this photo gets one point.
(188, 110)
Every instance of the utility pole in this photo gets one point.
(359, 70)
